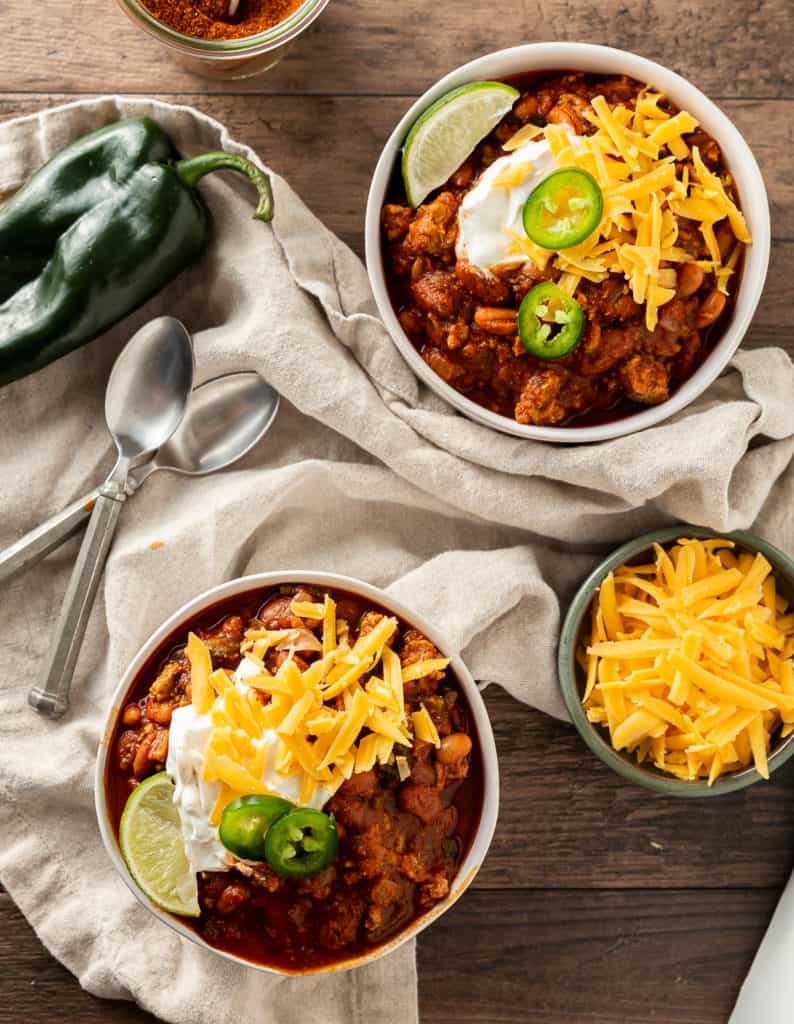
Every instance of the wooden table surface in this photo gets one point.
(598, 902)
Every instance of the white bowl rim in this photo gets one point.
(587, 57)
(490, 808)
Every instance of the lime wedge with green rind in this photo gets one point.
(448, 131)
(151, 843)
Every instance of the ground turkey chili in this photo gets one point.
(404, 827)
(463, 319)
(221, 19)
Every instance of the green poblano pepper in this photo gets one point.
(115, 239)
(89, 170)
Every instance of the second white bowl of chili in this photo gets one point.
(390, 860)
(650, 371)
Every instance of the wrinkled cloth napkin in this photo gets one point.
(365, 472)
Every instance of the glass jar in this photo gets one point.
(228, 58)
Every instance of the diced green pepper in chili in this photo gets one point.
(246, 821)
(301, 843)
(550, 323)
(563, 209)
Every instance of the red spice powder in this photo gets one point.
(208, 19)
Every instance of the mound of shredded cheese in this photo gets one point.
(337, 717)
(632, 155)
(691, 660)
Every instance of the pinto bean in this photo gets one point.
(454, 748)
(690, 278)
(496, 320)
(711, 308)
(463, 177)
(232, 897)
(131, 715)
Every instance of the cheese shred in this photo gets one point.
(690, 660)
(343, 713)
(649, 177)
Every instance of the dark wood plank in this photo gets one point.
(567, 821)
(590, 958)
(552, 958)
(299, 136)
(378, 46)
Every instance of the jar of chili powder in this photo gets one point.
(224, 40)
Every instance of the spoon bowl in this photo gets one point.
(224, 419)
(149, 387)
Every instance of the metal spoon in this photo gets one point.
(144, 404)
(224, 419)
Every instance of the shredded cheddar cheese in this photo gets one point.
(641, 162)
(344, 713)
(690, 661)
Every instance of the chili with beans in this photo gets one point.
(463, 320)
(401, 830)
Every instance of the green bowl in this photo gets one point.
(572, 677)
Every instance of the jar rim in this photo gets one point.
(277, 35)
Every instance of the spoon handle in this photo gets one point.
(52, 699)
(38, 543)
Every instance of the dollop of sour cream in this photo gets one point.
(195, 798)
(491, 211)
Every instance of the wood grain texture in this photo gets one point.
(590, 958)
(567, 822)
(599, 903)
(736, 49)
(581, 957)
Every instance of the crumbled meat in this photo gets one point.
(318, 886)
(368, 622)
(415, 648)
(437, 292)
(551, 395)
(396, 221)
(645, 380)
(342, 920)
(600, 350)
(224, 643)
(169, 691)
(434, 229)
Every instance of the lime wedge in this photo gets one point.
(151, 842)
(446, 133)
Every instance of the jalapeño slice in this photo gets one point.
(246, 821)
(301, 843)
(550, 323)
(563, 209)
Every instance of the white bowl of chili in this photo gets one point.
(474, 794)
(744, 180)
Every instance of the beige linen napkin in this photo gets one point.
(365, 472)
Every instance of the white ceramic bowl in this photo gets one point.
(266, 581)
(600, 60)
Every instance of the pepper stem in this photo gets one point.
(193, 169)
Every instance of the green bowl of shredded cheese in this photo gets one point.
(676, 660)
